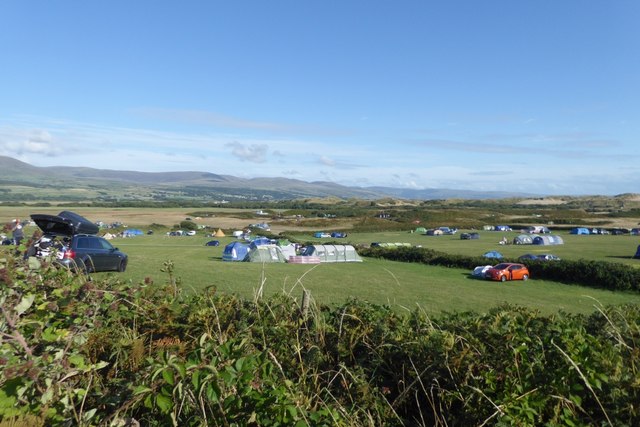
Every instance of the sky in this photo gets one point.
(535, 96)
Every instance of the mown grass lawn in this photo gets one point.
(402, 285)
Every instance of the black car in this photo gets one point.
(528, 257)
(469, 236)
(539, 257)
(72, 242)
(619, 231)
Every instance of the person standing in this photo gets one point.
(18, 232)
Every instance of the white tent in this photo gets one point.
(288, 250)
(333, 253)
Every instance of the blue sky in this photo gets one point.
(536, 96)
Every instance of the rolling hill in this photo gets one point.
(22, 181)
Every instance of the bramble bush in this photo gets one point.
(104, 352)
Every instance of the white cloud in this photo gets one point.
(326, 161)
(255, 153)
(22, 142)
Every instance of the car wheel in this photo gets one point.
(525, 277)
(30, 252)
(88, 265)
(503, 278)
(122, 266)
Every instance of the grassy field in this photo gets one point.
(401, 285)
(434, 289)
(595, 247)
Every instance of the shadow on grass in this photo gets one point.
(472, 277)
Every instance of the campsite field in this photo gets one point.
(433, 289)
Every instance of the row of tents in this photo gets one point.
(265, 251)
(546, 239)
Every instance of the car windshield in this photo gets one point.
(501, 266)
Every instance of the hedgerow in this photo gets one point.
(104, 352)
(597, 274)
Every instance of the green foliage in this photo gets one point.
(104, 352)
(188, 225)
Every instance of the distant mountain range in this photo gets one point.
(65, 183)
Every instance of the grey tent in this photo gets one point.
(265, 253)
(523, 239)
(287, 248)
(549, 239)
(333, 253)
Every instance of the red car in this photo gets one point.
(507, 271)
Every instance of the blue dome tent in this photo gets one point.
(492, 254)
(579, 230)
(131, 232)
(549, 239)
(235, 251)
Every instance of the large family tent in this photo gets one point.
(235, 251)
(549, 239)
(523, 239)
(333, 253)
(637, 255)
(265, 253)
(288, 249)
(259, 241)
(579, 230)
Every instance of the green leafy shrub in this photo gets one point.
(103, 352)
